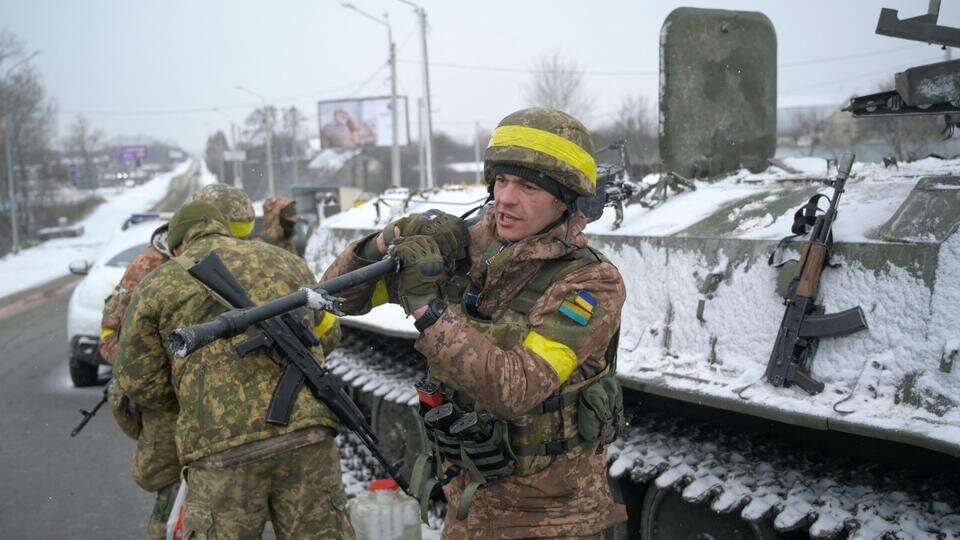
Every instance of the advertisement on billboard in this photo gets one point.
(353, 123)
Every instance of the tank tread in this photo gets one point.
(795, 489)
(381, 366)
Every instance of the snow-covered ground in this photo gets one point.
(48, 261)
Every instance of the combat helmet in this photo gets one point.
(188, 216)
(545, 142)
(233, 203)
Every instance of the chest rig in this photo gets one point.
(578, 418)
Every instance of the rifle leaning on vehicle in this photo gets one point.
(804, 321)
(279, 329)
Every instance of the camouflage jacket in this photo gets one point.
(571, 496)
(116, 304)
(272, 230)
(223, 399)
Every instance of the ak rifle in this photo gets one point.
(804, 321)
(280, 329)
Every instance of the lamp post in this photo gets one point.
(268, 129)
(7, 127)
(428, 136)
(237, 181)
(395, 150)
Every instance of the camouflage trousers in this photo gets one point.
(157, 526)
(300, 491)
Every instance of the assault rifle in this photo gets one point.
(279, 329)
(88, 415)
(804, 321)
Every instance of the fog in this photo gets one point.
(161, 68)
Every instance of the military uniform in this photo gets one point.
(277, 228)
(529, 336)
(155, 466)
(242, 471)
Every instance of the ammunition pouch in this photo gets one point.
(600, 411)
(484, 461)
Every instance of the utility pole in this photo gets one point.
(422, 150)
(15, 248)
(395, 150)
(267, 121)
(8, 156)
(237, 180)
(294, 120)
(428, 155)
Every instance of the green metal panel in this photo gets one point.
(718, 91)
(930, 214)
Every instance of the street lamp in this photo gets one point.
(268, 128)
(428, 136)
(237, 181)
(7, 127)
(395, 150)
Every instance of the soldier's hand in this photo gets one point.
(449, 231)
(421, 267)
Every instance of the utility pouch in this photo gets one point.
(600, 411)
(485, 462)
(126, 414)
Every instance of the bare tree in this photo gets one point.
(557, 82)
(84, 140)
(809, 125)
(637, 123)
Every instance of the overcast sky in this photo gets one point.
(160, 67)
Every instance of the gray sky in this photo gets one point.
(160, 67)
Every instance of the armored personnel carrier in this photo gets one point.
(713, 449)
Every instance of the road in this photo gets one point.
(55, 486)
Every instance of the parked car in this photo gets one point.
(86, 302)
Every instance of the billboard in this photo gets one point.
(353, 123)
(133, 153)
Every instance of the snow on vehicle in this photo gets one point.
(713, 449)
(101, 276)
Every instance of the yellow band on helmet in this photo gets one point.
(325, 324)
(241, 229)
(104, 332)
(560, 357)
(548, 143)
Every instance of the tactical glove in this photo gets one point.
(449, 231)
(421, 267)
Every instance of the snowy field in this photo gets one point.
(48, 261)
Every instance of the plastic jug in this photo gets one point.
(385, 513)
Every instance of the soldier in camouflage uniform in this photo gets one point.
(526, 337)
(279, 219)
(155, 465)
(241, 470)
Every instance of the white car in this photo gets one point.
(102, 275)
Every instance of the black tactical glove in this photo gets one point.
(421, 267)
(449, 231)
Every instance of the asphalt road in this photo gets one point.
(52, 485)
(55, 486)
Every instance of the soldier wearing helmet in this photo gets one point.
(279, 220)
(156, 467)
(520, 336)
(241, 470)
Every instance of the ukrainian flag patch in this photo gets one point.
(580, 308)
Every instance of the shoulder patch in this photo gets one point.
(579, 308)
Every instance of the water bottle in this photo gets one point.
(385, 513)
